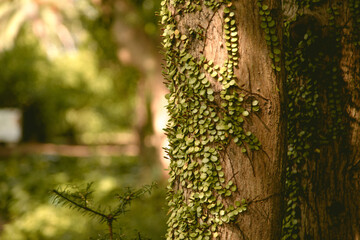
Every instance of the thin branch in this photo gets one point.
(79, 205)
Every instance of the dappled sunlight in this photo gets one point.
(107, 184)
(45, 222)
(46, 19)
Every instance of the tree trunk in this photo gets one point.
(323, 191)
(137, 49)
(226, 132)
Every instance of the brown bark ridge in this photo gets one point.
(258, 174)
(329, 176)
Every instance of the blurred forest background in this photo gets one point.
(86, 77)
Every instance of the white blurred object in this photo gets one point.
(10, 125)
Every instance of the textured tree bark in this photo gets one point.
(329, 198)
(350, 65)
(258, 174)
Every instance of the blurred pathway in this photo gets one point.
(69, 150)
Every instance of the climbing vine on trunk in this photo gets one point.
(202, 123)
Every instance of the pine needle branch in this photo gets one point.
(79, 200)
(80, 207)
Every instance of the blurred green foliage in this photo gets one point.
(66, 96)
(144, 17)
(27, 213)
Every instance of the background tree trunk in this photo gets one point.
(208, 33)
(135, 48)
